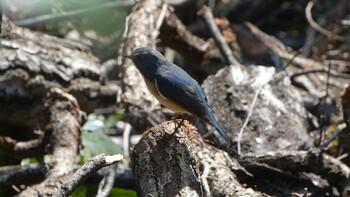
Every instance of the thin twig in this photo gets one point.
(328, 74)
(106, 184)
(0, 17)
(208, 17)
(324, 100)
(160, 20)
(273, 78)
(246, 121)
(337, 131)
(319, 70)
(248, 117)
(89, 168)
(316, 26)
(206, 170)
(310, 37)
(306, 191)
(126, 138)
(121, 50)
(343, 156)
(276, 75)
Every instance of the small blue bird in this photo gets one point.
(172, 86)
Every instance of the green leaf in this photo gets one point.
(112, 120)
(80, 191)
(97, 142)
(116, 192)
(27, 161)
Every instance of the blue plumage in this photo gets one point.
(172, 86)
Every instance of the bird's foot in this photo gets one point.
(191, 134)
(178, 122)
(183, 127)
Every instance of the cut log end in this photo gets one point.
(163, 162)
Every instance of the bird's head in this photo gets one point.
(146, 59)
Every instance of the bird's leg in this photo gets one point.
(178, 125)
(188, 130)
(176, 115)
(184, 116)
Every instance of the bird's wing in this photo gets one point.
(176, 85)
(181, 89)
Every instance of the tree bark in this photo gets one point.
(173, 160)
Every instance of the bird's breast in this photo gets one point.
(167, 102)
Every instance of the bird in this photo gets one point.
(172, 86)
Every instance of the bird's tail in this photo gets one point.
(218, 127)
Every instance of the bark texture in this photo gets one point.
(173, 160)
(164, 164)
(32, 63)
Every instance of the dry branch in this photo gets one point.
(90, 167)
(175, 34)
(65, 121)
(345, 100)
(208, 17)
(293, 163)
(13, 176)
(107, 182)
(24, 149)
(172, 160)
